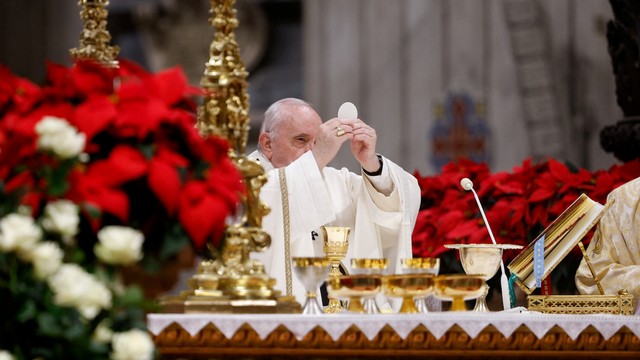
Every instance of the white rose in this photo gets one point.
(57, 136)
(46, 258)
(73, 286)
(103, 332)
(134, 344)
(5, 355)
(18, 233)
(61, 217)
(119, 245)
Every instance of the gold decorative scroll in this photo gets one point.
(95, 38)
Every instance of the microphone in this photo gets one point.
(467, 184)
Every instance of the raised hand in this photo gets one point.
(363, 144)
(330, 137)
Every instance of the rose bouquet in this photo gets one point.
(99, 169)
(518, 205)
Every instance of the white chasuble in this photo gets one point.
(614, 250)
(381, 225)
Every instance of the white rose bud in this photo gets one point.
(46, 258)
(73, 286)
(119, 245)
(103, 332)
(61, 217)
(18, 233)
(58, 136)
(134, 344)
(5, 355)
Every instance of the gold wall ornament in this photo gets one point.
(232, 282)
(95, 38)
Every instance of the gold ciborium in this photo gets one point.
(481, 259)
(366, 266)
(335, 246)
(421, 266)
(354, 288)
(457, 288)
(311, 271)
(408, 287)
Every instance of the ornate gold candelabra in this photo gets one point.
(95, 38)
(232, 282)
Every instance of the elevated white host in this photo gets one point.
(347, 111)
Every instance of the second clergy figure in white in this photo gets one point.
(380, 205)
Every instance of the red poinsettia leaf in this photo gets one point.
(168, 85)
(138, 117)
(90, 77)
(26, 95)
(24, 179)
(201, 214)
(559, 170)
(94, 115)
(88, 189)
(464, 229)
(164, 181)
(224, 179)
(124, 164)
(541, 194)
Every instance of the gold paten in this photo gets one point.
(621, 304)
(232, 282)
(95, 38)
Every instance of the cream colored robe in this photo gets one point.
(614, 250)
(381, 226)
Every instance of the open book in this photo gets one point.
(560, 237)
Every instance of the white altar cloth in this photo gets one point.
(506, 322)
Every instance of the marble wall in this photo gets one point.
(399, 61)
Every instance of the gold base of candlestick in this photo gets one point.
(219, 289)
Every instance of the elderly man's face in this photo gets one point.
(294, 136)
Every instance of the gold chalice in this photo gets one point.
(311, 271)
(407, 286)
(354, 288)
(367, 266)
(457, 287)
(481, 259)
(335, 246)
(421, 266)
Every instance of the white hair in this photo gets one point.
(279, 111)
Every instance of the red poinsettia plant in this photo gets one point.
(518, 205)
(142, 163)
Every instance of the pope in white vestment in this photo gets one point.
(380, 209)
(614, 250)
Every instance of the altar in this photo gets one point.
(513, 333)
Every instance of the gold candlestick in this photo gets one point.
(95, 38)
(233, 282)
